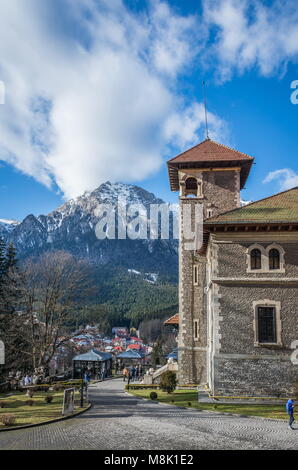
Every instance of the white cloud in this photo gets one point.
(182, 128)
(92, 89)
(100, 104)
(286, 178)
(250, 34)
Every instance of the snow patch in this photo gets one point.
(151, 277)
(133, 271)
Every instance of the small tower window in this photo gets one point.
(196, 330)
(274, 259)
(191, 187)
(255, 259)
(195, 275)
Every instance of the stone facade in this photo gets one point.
(238, 365)
(219, 192)
(237, 322)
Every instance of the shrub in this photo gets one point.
(8, 419)
(168, 382)
(30, 402)
(189, 403)
(153, 396)
(3, 404)
(48, 398)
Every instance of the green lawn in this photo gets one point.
(40, 411)
(189, 398)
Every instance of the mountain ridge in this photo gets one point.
(71, 227)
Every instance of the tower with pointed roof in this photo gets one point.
(209, 175)
(238, 286)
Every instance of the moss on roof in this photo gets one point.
(282, 207)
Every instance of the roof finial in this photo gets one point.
(205, 107)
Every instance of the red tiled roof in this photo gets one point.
(209, 154)
(174, 320)
(209, 150)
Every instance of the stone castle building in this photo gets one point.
(238, 297)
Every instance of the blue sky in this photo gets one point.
(109, 90)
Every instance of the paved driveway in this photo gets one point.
(118, 421)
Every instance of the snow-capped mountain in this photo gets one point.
(71, 227)
(7, 226)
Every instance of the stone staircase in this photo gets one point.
(173, 367)
(155, 377)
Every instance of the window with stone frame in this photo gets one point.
(255, 259)
(266, 317)
(274, 259)
(193, 187)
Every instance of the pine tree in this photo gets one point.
(3, 260)
(11, 260)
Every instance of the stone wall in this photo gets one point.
(220, 193)
(233, 259)
(222, 190)
(192, 356)
(241, 366)
(256, 377)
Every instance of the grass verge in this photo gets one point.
(39, 412)
(189, 398)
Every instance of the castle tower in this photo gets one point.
(210, 175)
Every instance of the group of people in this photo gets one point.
(132, 374)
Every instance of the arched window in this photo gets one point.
(191, 183)
(274, 259)
(191, 187)
(255, 259)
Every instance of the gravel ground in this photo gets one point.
(118, 421)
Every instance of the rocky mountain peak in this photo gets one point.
(71, 227)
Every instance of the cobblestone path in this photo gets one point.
(118, 421)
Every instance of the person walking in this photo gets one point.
(290, 410)
(129, 376)
(124, 373)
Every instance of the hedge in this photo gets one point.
(141, 387)
(45, 387)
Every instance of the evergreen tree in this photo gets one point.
(11, 325)
(11, 260)
(3, 260)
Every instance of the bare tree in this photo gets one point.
(150, 330)
(54, 285)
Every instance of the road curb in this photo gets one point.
(43, 423)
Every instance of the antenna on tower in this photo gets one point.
(205, 107)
